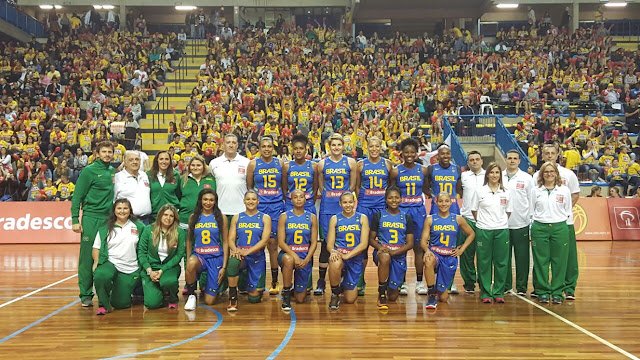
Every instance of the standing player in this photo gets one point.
(394, 231)
(410, 177)
(519, 184)
(248, 235)
(207, 247)
(265, 175)
(94, 195)
(471, 180)
(337, 175)
(347, 238)
(570, 180)
(444, 177)
(300, 174)
(298, 238)
(441, 251)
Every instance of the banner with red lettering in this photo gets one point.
(624, 215)
(26, 222)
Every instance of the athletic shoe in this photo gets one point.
(382, 302)
(486, 301)
(87, 302)
(557, 300)
(335, 302)
(233, 305)
(274, 289)
(500, 300)
(404, 289)
(420, 289)
(454, 290)
(242, 292)
(191, 303)
(522, 293)
(469, 290)
(101, 311)
(286, 305)
(570, 296)
(543, 299)
(173, 306)
(320, 286)
(361, 291)
(432, 303)
(533, 294)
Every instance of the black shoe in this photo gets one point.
(382, 302)
(335, 302)
(557, 300)
(543, 299)
(522, 293)
(286, 303)
(533, 294)
(87, 302)
(320, 287)
(570, 296)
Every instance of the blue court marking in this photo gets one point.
(205, 333)
(285, 341)
(38, 321)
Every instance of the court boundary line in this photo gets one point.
(287, 337)
(18, 332)
(202, 334)
(37, 290)
(579, 328)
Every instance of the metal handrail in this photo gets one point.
(181, 71)
(162, 104)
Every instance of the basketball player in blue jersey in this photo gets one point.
(439, 242)
(208, 247)
(394, 231)
(337, 174)
(298, 238)
(264, 174)
(373, 175)
(410, 177)
(249, 233)
(347, 239)
(300, 174)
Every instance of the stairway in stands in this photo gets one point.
(178, 91)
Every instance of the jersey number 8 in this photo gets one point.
(206, 236)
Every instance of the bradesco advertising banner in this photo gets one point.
(624, 215)
(590, 221)
(26, 222)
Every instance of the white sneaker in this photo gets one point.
(191, 303)
(420, 289)
(404, 289)
(454, 289)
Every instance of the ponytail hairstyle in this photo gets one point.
(111, 221)
(217, 214)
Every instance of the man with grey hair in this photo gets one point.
(230, 171)
(133, 184)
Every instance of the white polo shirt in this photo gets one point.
(122, 244)
(551, 206)
(492, 208)
(231, 182)
(470, 183)
(519, 186)
(135, 189)
(569, 179)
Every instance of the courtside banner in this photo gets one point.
(31, 222)
(624, 215)
(590, 221)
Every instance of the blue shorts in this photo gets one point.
(274, 210)
(445, 271)
(418, 216)
(369, 211)
(212, 265)
(308, 207)
(351, 272)
(256, 266)
(397, 269)
(454, 209)
(324, 219)
(300, 276)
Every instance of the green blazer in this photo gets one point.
(167, 194)
(104, 246)
(148, 254)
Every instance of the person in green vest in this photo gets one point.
(196, 178)
(163, 180)
(94, 196)
(160, 250)
(115, 259)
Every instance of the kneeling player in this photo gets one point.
(347, 239)
(440, 251)
(394, 230)
(298, 238)
(251, 230)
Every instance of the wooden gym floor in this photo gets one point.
(42, 318)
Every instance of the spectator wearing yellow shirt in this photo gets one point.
(176, 144)
(65, 188)
(50, 190)
(633, 177)
(590, 162)
(572, 157)
(118, 154)
(617, 176)
(623, 157)
(606, 160)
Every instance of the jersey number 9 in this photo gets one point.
(351, 240)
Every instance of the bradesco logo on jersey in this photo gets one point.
(36, 223)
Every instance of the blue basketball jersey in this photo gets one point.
(249, 229)
(336, 175)
(301, 177)
(207, 236)
(444, 180)
(298, 231)
(267, 178)
(392, 229)
(373, 184)
(347, 232)
(444, 234)
(410, 182)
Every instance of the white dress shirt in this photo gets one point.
(519, 186)
(135, 189)
(470, 183)
(231, 182)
